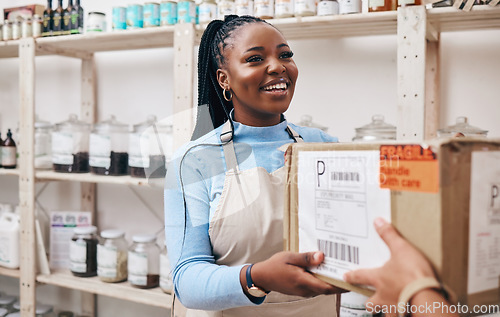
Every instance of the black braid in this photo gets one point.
(210, 58)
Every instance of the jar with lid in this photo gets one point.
(26, 28)
(7, 30)
(144, 261)
(207, 11)
(112, 256)
(306, 121)
(462, 128)
(283, 9)
(305, 7)
(16, 28)
(225, 7)
(166, 283)
(83, 251)
(7, 302)
(150, 148)
(1, 32)
(108, 148)
(37, 26)
(349, 6)
(43, 144)
(378, 129)
(70, 146)
(328, 7)
(244, 7)
(264, 9)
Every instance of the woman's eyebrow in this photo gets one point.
(261, 48)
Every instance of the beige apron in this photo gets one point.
(247, 227)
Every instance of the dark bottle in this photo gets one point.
(9, 159)
(66, 28)
(57, 28)
(48, 16)
(76, 24)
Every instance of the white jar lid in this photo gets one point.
(144, 238)
(3, 311)
(112, 233)
(85, 230)
(7, 299)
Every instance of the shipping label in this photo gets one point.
(339, 197)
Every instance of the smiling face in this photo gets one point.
(260, 73)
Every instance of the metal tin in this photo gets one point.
(37, 26)
(328, 7)
(207, 11)
(186, 11)
(168, 13)
(7, 31)
(16, 30)
(264, 9)
(284, 9)
(119, 18)
(305, 7)
(151, 14)
(135, 16)
(349, 6)
(244, 7)
(27, 28)
(96, 22)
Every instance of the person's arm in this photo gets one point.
(407, 265)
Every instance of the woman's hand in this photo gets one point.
(406, 265)
(285, 272)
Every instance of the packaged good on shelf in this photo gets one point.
(207, 11)
(22, 12)
(244, 7)
(112, 256)
(186, 11)
(151, 14)
(9, 152)
(48, 19)
(377, 130)
(43, 144)
(166, 283)
(144, 261)
(108, 148)
(135, 16)
(328, 7)
(284, 9)
(7, 30)
(381, 5)
(225, 7)
(66, 20)
(76, 21)
(16, 28)
(305, 7)
(96, 22)
(57, 20)
(9, 238)
(462, 128)
(27, 28)
(150, 148)
(264, 9)
(37, 26)
(168, 12)
(350, 6)
(70, 146)
(83, 251)
(119, 20)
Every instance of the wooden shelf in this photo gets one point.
(99, 179)
(153, 297)
(6, 171)
(10, 272)
(449, 19)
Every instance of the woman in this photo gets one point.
(224, 191)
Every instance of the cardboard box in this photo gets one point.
(444, 198)
(24, 11)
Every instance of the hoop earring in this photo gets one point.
(225, 96)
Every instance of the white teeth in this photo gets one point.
(276, 86)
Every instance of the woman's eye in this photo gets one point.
(253, 59)
(287, 54)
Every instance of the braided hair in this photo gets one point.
(210, 58)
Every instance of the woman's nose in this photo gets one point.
(275, 66)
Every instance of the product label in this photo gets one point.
(137, 268)
(244, 7)
(343, 188)
(107, 261)
(136, 143)
(284, 8)
(264, 8)
(225, 8)
(207, 12)
(186, 12)
(62, 147)
(305, 7)
(8, 156)
(349, 6)
(376, 3)
(409, 168)
(328, 8)
(168, 13)
(78, 256)
(100, 150)
(484, 222)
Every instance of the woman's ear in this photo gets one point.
(223, 79)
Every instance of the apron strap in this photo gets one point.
(293, 134)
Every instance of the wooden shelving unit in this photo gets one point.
(99, 179)
(4, 171)
(10, 272)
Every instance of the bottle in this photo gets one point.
(83, 251)
(112, 256)
(57, 26)
(37, 26)
(48, 19)
(9, 159)
(381, 5)
(144, 261)
(66, 27)
(76, 24)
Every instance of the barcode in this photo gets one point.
(339, 251)
(345, 176)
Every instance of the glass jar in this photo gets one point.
(207, 11)
(112, 256)
(83, 251)
(376, 130)
(43, 144)
(150, 148)
(283, 9)
(166, 283)
(264, 9)
(70, 146)
(7, 302)
(108, 148)
(144, 261)
(305, 7)
(306, 121)
(462, 128)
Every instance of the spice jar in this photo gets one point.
(70, 146)
(112, 256)
(143, 261)
(150, 148)
(83, 251)
(43, 144)
(462, 128)
(108, 148)
(166, 283)
(376, 130)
